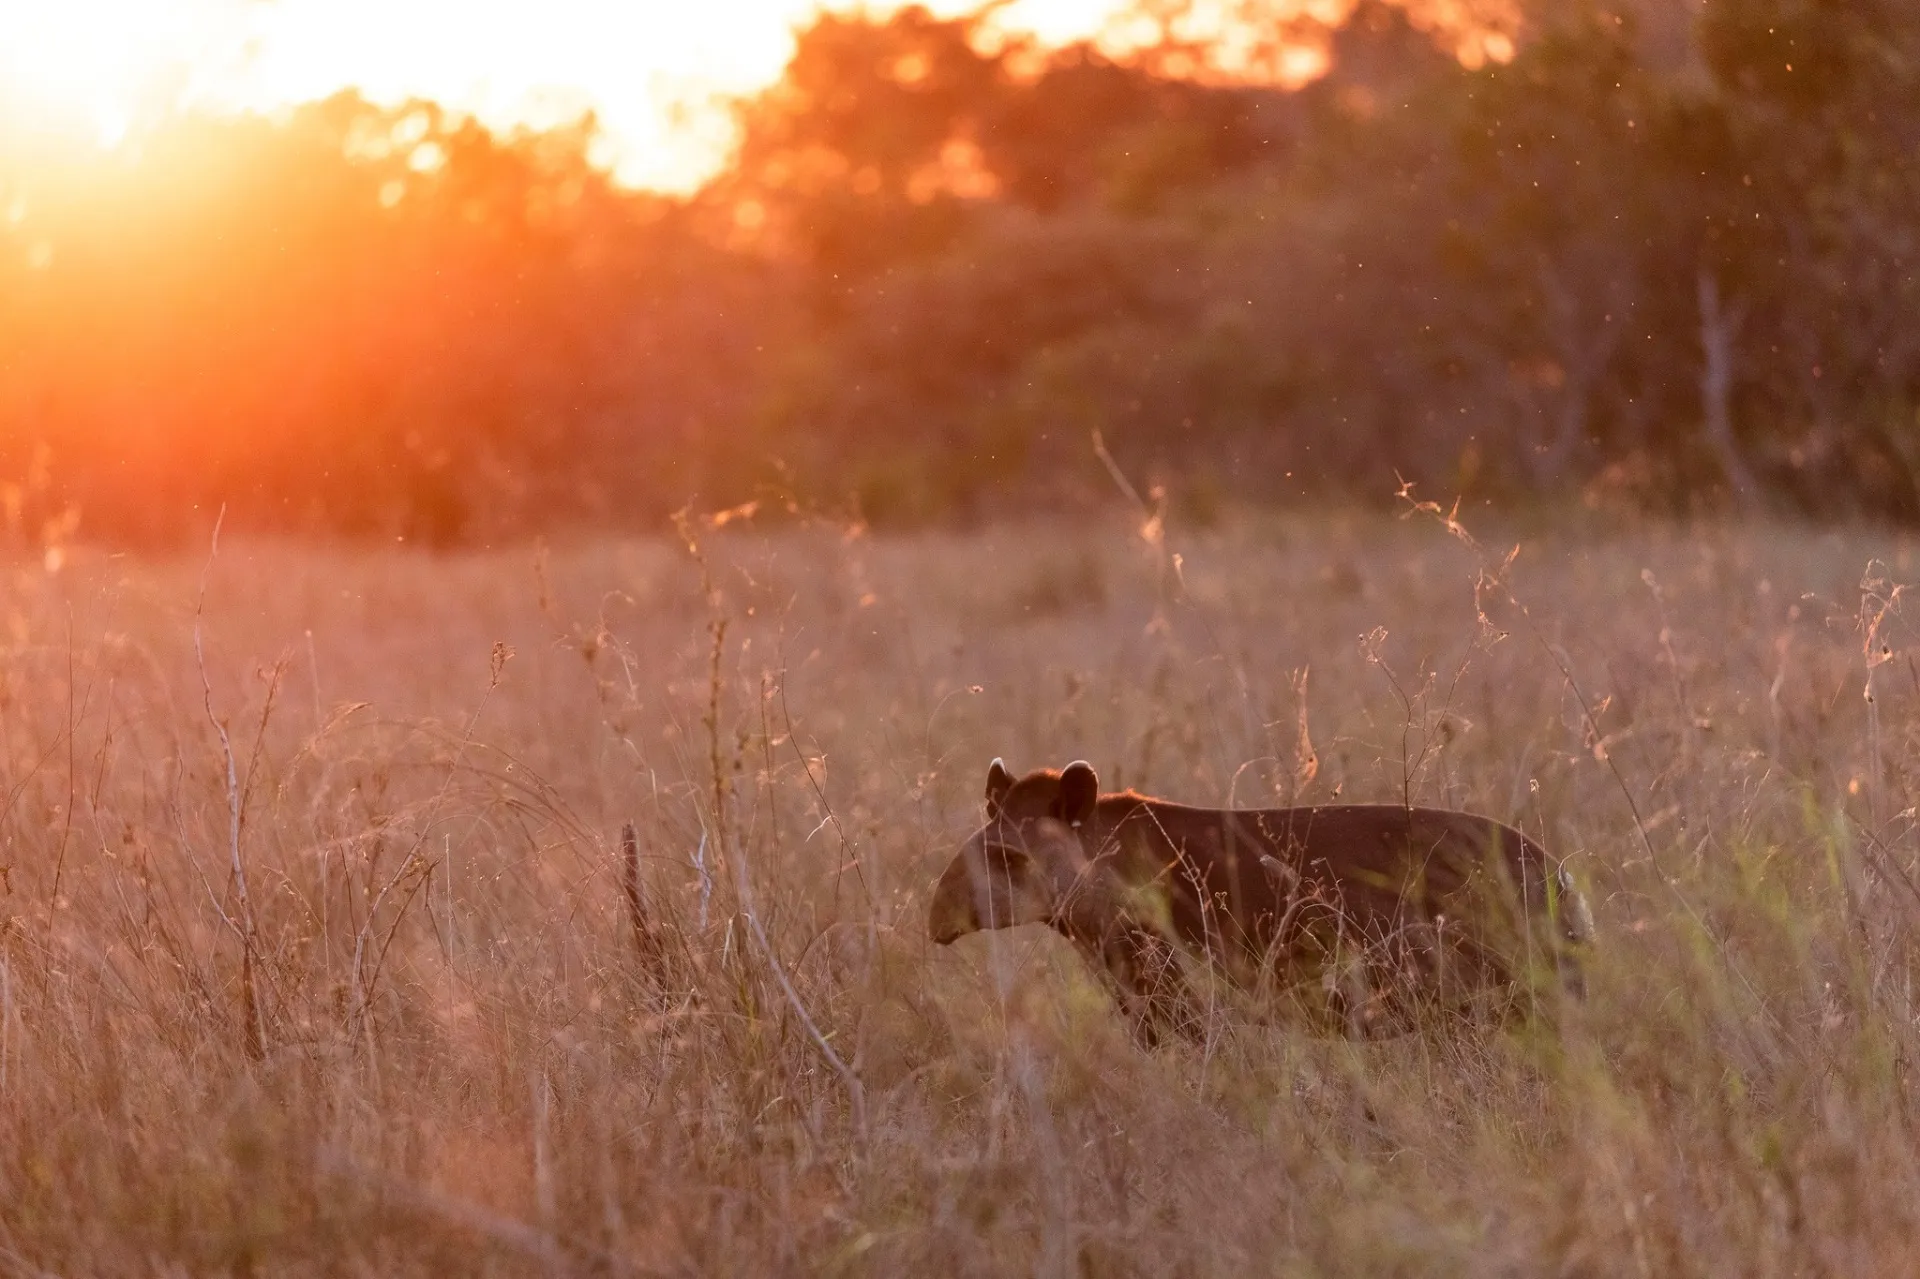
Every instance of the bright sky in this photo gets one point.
(655, 71)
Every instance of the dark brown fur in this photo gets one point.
(1359, 914)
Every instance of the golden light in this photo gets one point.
(93, 68)
(658, 76)
(655, 75)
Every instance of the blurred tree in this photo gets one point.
(1544, 237)
(1823, 100)
(1662, 249)
(867, 148)
(365, 320)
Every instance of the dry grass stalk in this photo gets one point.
(647, 946)
(253, 1017)
(461, 1074)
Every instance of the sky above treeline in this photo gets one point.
(657, 73)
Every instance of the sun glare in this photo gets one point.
(94, 68)
(658, 77)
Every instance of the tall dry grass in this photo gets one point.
(456, 1027)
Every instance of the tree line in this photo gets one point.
(1661, 257)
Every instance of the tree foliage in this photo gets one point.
(1663, 254)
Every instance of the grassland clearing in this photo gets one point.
(456, 1057)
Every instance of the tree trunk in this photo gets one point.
(1719, 329)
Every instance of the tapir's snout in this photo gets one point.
(988, 885)
(953, 914)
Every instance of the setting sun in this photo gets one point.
(657, 77)
(92, 67)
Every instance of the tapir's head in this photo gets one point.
(1021, 866)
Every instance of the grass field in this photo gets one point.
(426, 1037)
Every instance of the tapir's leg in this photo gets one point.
(1142, 969)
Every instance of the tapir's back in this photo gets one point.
(1248, 872)
(1388, 845)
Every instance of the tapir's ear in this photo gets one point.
(1079, 789)
(999, 782)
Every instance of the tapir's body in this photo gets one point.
(1361, 914)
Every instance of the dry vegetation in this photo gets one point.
(429, 1038)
